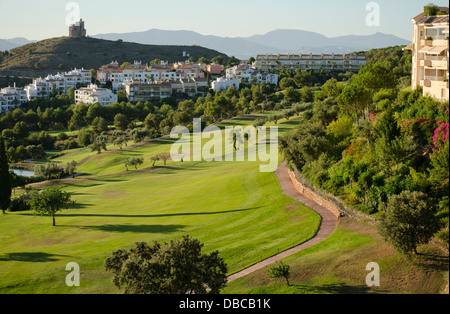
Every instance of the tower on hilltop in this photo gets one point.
(77, 29)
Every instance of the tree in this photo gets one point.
(219, 60)
(48, 170)
(99, 144)
(134, 162)
(121, 141)
(354, 99)
(410, 219)
(5, 178)
(280, 271)
(71, 94)
(154, 159)
(306, 94)
(99, 125)
(49, 202)
(176, 267)
(304, 144)
(164, 157)
(232, 61)
(121, 122)
(85, 137)
(71, 168)
(287, 82)
(331, 88)
(292, 95)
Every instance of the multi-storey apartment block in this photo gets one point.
(224, 84)
(148, 74)
(61, 82)
(93, 94)
(329, 62)
(247, 75)
(138, 91)
(431, 53)
(105, 72)
(11, 98)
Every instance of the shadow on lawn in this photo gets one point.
(156, 215)
(135, 228)
(35, 257)
(338, 288)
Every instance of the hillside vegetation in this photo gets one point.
(65, 53)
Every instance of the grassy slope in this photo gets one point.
(338, 266)
(238, 211)
(89, 53)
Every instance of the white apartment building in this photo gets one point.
(247, 75)
(329, 62)
(224, 84)
(430, 64)
(11, 98)
(93, 94)
(138, 91)
(76, 76)
(148, 74)
(42, 87)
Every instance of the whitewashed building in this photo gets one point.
(11, 98)
(93, 94)
(247, 75)
(61, 82)
(224, 84)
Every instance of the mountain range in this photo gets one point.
(8, 44)
(278, 41)
(275, 42)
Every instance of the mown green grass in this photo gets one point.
(337, 265)
(230, 206)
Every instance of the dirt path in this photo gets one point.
(327, 227)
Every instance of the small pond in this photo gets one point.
(24, 173)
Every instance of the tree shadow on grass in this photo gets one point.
(338, 288)
(151, 216)
(134, 228)
(35, 257)
(433, 261)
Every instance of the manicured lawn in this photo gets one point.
(230, 206)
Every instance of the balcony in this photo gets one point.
(425, 42)
(442, 64)
(425, 83)
(425, 63)
(439, 84)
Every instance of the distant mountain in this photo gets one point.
(278, 41)
(65, 53)
(230, 46)
(8, 44)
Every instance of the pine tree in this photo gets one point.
(5, 178)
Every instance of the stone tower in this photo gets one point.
(77, 29)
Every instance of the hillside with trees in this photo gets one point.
(379, 146)
(65, 53)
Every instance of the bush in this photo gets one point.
(20, 203)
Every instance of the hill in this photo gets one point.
(277, 41)
(65, 53)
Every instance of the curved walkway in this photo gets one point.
(327, 226)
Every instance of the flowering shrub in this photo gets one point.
(440, 134)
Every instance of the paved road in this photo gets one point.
(327, 227)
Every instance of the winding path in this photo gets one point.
(327, 226)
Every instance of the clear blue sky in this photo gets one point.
(234, 18)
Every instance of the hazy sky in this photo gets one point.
(42, 19)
